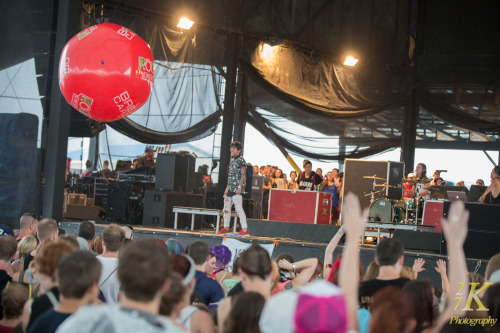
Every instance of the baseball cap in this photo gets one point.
(317, 307)
(149, 150)
(5, 230)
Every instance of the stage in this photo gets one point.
(304, 241)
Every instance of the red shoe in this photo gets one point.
(244, 233)
(224, 231)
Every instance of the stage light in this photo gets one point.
(350, 61)
(267, 51)
(185, 23)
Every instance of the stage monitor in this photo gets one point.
(476, 192)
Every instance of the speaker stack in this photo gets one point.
(175, 181)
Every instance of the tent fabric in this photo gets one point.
(18, 135)
(184, 104)
(452, 115)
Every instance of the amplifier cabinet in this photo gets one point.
(175, 172)
(158, 209)
(300, 206)
(392, 173)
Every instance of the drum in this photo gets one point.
(399, 212)
(381, 211)
(409, 203)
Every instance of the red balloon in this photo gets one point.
(106, 72)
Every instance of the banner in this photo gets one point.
(237, 247)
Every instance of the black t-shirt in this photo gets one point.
(48, 322)
(4, 280)
(42, 304)
(368, 288)
(308, 183)
(29, 258)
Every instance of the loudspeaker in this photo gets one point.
(83, 212)
(175, 172)
(158, 209)
(417, 240)
(117, 201)
(484, 230)
(476, 192)
(392, 173)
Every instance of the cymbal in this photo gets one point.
(383, 185)
(374, 177)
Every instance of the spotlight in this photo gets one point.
(350, 61)
(185, 23)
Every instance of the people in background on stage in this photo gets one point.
(203, 169)
(87, 173)
(330, 187)
(308, 179)
(492, 193)
(292, 183)
(148, 160)
(409, 188)
(439, 181)
(236, 183)
(134, 163)
(256, 170)
(436, 174)
(480, 182)
(106, 172)
(422, 188)
(263, 170)
(319, 171)
(278, 174)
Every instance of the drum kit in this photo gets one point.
(408, 210)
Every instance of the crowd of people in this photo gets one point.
(114, 283)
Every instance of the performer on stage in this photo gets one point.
(422, 188)
(235, 183)
(492, 193)
(308, 178)
(148, 160)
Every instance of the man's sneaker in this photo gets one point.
(244, 233)
(224, 231)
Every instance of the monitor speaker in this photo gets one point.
(117, 201)
(175, 172)
(158, 209)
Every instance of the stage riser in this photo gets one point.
(420, 241)
(297, 231)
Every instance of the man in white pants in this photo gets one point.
(232, 195)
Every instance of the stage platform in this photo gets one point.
(305, 241)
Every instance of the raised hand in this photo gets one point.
(440, 267)
(455, 226)
(418, 265)
(353, 219)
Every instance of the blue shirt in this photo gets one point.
(333, 190)
(208, 288)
